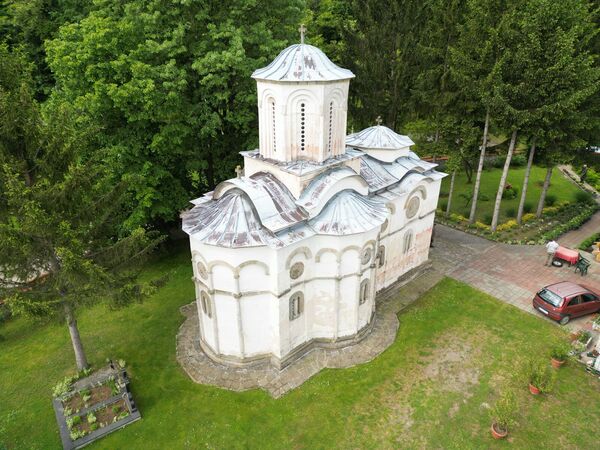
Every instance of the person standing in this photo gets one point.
(583, 175)
(551, 248)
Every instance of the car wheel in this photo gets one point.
(565, 320)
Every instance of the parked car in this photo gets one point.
(565, 300)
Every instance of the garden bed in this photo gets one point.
(91, 407)
(555, 221)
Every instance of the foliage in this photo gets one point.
(91, 418)
(584, 215)
(560, 351)
(508, 225)
(550, 200)
(504, 411)
(539, 374)
(528, 217)
(584, 197)
(587, 243)
(510, 192)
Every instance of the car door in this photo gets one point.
(591, 303)
(575, 307)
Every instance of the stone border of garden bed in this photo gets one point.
(124, 394)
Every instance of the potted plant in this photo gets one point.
(596, 323)
(503, 415)
(559, 354)
(540, 377)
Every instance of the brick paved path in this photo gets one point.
(512, 273)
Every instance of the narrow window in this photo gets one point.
(364, 292)
(273, 125)
(296, 305)
(381, 256)
(408, 241)
(206, 306)
(329, 142)
(302, 126)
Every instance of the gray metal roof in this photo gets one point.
(349, 213)
(302, 62)
(378, 137)
(230, 221)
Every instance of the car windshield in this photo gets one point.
(550, 297)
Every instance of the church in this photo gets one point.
(292, 252)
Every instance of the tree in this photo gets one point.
(59, 247)
(168, 85)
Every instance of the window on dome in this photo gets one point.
(302, 127)
(296, 305)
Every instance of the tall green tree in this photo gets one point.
(60, 215)
(169, 86)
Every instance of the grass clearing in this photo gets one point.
(455, 348)
(561, 188)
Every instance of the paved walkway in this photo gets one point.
(512, 273)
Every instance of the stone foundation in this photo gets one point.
(202, 369)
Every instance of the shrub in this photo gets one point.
(511, 212)
(518, 161)
(560, 351)
(481, 226)
(550, 199)
(584, 197)
(550, 210)
(5, 313)
(443, 206)
(487, 218)
(528, 217)
(504, 410)
(509, 225)
(457, 218)
(510, 192)
(540, 375)
(527, 208)
(589, 242)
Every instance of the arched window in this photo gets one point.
(302, 126)
(381, 255)
(296, 305)
(330, 138)
(206, 305)
(408, 241)
(273, 132)
(363, 295)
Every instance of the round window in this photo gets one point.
(297, 270)
(412, 207)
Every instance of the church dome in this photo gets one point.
(378, 137)
(230, 221)
(349, 213)
(302, 62)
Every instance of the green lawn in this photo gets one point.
(560, 187)
(455, 348)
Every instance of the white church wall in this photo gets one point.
(226, 312)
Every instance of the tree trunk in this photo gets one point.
(544, 191)
(80, 358)
(511, 149)
(526, 182)
(479, 168)
(450, 193)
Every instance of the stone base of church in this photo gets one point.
(305, 361)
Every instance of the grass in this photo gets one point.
(455, 348)
(560, 187)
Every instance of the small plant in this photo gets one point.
(113, 386)
(121, 363)
(93, 427)
(122, 415)
(62, 387)
(584, 336)
(560, 351)
(116, 409)
(73, 421)
(68, 411)
(540, 376)
(503, 412)
(91, 418)
(76, 434)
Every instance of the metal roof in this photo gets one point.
(302, 62)
(272, 201)
(349, 213)
(378, 137)
(230, 221)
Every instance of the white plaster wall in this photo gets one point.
(316, 96)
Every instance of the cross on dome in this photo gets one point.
(379, 121)
(302, 30)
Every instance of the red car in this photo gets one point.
(565, 300)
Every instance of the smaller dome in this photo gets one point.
(349, 213)
(302, 62)
(230, 221)
(378, 137)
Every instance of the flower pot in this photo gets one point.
(497, 433)
(556, 363)
(533, 389)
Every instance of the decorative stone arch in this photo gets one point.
(408, 241)
(391, 207)
(253, 262)
(266, 94)
(301, 126)
(218, 262)
(304, 250)
(338, 255)
(419, 190)
(197, 257)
